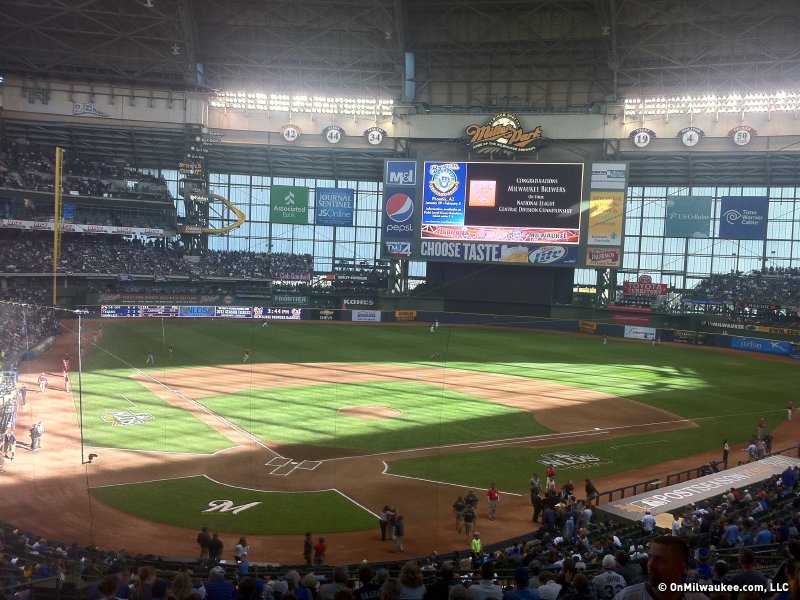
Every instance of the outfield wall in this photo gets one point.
(630, 329)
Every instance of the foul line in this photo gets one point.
(129, 400)
(194, 403)
(638, 444)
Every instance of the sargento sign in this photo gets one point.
(503, 132)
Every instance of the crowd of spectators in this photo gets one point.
(574, 555)
(24, 322)
(34, 169)
(28, 253)
(767, 297)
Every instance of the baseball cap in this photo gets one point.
(609, 562)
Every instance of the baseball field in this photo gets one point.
(321, 424)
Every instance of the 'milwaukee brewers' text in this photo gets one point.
(536, 202)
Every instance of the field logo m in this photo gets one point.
(224, 506)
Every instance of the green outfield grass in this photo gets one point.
(185, 502)
(724, 393)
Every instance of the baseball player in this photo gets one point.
(246, 355)
(42, 382)
(151, 358)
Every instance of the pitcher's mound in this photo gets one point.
(369, 412)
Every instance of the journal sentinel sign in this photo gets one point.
(334, 206)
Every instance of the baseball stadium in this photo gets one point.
(331, 300)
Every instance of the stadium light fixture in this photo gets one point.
(382, 107)
(780, 101)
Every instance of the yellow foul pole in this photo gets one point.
(57, 222)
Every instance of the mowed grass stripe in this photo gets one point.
(171, 429)
(428, 416)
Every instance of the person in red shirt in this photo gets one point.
(551, 478)
(494, 497)
(319, 552)
(789, 410)
(42, 382)
(762, 424)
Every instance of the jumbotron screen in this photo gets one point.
(509, 203)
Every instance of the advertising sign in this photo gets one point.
(196, 311)
(290, 299)
(81, 228)
(630, 319)
(673, 497)
(401, 172)
(288, 204)
(743, 217)
(364, 302)
(334, 206)
(639, 333)
(370, 316)
(603, 257)
(234, 312)
(606, 218)
(644, 286)
(761, 345)
(398, 212)
(542, 254)
(405, 315)
(688, 217)
(399, 199)
(609, 176)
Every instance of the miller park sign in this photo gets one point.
(503, 133)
